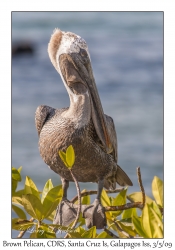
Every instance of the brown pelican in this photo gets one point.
(83, 125)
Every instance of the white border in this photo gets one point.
(5, 92)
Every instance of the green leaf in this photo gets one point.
(19, 212)
(91, 233)
(70, 156)
(16, 175)
(127, 221)
(21, 225)
(103, 235)
(145, 222)
(19, 169)
(129, 213)
(49, 207)
(14, 186)
(74, 235)
(121, 234)
(53, 194)
(15, 178)
(158, 232)
(114, 225)
(105, 201)
(86, 200)
(51, 200)
(17, 200)
(19, 193)
(44, 231)
(17, 197)
(119, 200)
(48, 186)
(108, 216)
(137, 197)
(156, 209)
(60, 228)
(138, 227)
(51, 216)
(33, 206)
(157, 190)
(33, 235)
(151, 223)
(63, 158)
(30, 187)
(80, 230)
(127, 229)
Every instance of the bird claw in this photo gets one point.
(94, 215)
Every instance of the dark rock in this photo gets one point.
(21, 48)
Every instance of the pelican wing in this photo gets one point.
(41, 115)
(112, 136)
(120, 176)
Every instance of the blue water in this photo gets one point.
(126, 50)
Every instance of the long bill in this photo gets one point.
(84, 74)
(97, 112)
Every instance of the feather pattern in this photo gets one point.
(83, 125)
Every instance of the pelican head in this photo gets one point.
(69, 55)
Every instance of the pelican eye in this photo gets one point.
(83, 53)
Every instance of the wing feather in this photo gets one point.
(41, 115)
(112, 136)
(118, 175)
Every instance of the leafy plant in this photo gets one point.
(142, 217)
(39, 205)
(68, 158)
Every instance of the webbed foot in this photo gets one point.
(66, 212)
(94, 215)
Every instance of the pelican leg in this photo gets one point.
(66, 211)
(58, 213)
(65, 185)
(100, 188)
(94, 214)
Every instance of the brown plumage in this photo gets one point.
(83, 125)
